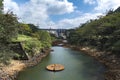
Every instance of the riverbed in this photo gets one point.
(78, 66)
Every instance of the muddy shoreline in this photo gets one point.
(11, 71)
(111, 61)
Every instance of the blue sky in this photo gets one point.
(21, 1)
(59, 13)
(80, 6)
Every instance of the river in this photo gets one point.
(78, 66)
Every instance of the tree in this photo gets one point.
(1, 6)
(8, 27)
(33, 28)
(24, 29)
(102, 34)
(117, 10)
(8, 30)
(44, 37)
(110, 12)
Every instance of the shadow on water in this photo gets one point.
(78, 66)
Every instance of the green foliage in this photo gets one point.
(33, 28)
(1, 6)
(5, 54)
(44, 37)
(103, 33)
(24, 29)
(33, 31)
(22, 38)
(74, 37)
(33, 39)
(30, 44)
(116, 47)
(8, 27)
(110, 12)
(8, 30)
(53, 37)
(33, 44)
(32, 47)
(117, 10)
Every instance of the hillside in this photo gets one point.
(102, 34)
(100, 38)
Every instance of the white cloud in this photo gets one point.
(70, 23)
(89, 2)
(60, 7)
(34, 13)
(10, 5)
(38, 11)
(104, 5)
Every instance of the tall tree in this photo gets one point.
(44, 37)
(1, 6)
(8, 30)
(8, 27)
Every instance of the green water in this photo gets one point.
(78, 66)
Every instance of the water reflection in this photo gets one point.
(78, 66)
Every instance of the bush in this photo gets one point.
(32, 47)
(6, 54)
(116, 47)
(8, 27)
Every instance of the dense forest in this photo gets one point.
(32, 38)
(102, 34)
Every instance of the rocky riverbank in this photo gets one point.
(11, 71)
(111, 61)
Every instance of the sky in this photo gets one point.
(59, 13)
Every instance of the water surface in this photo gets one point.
(78, 66)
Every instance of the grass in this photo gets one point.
(30, 44)
(22, 38)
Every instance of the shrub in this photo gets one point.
(32, 47)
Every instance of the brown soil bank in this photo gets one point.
(11, 71)
(111, 61)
